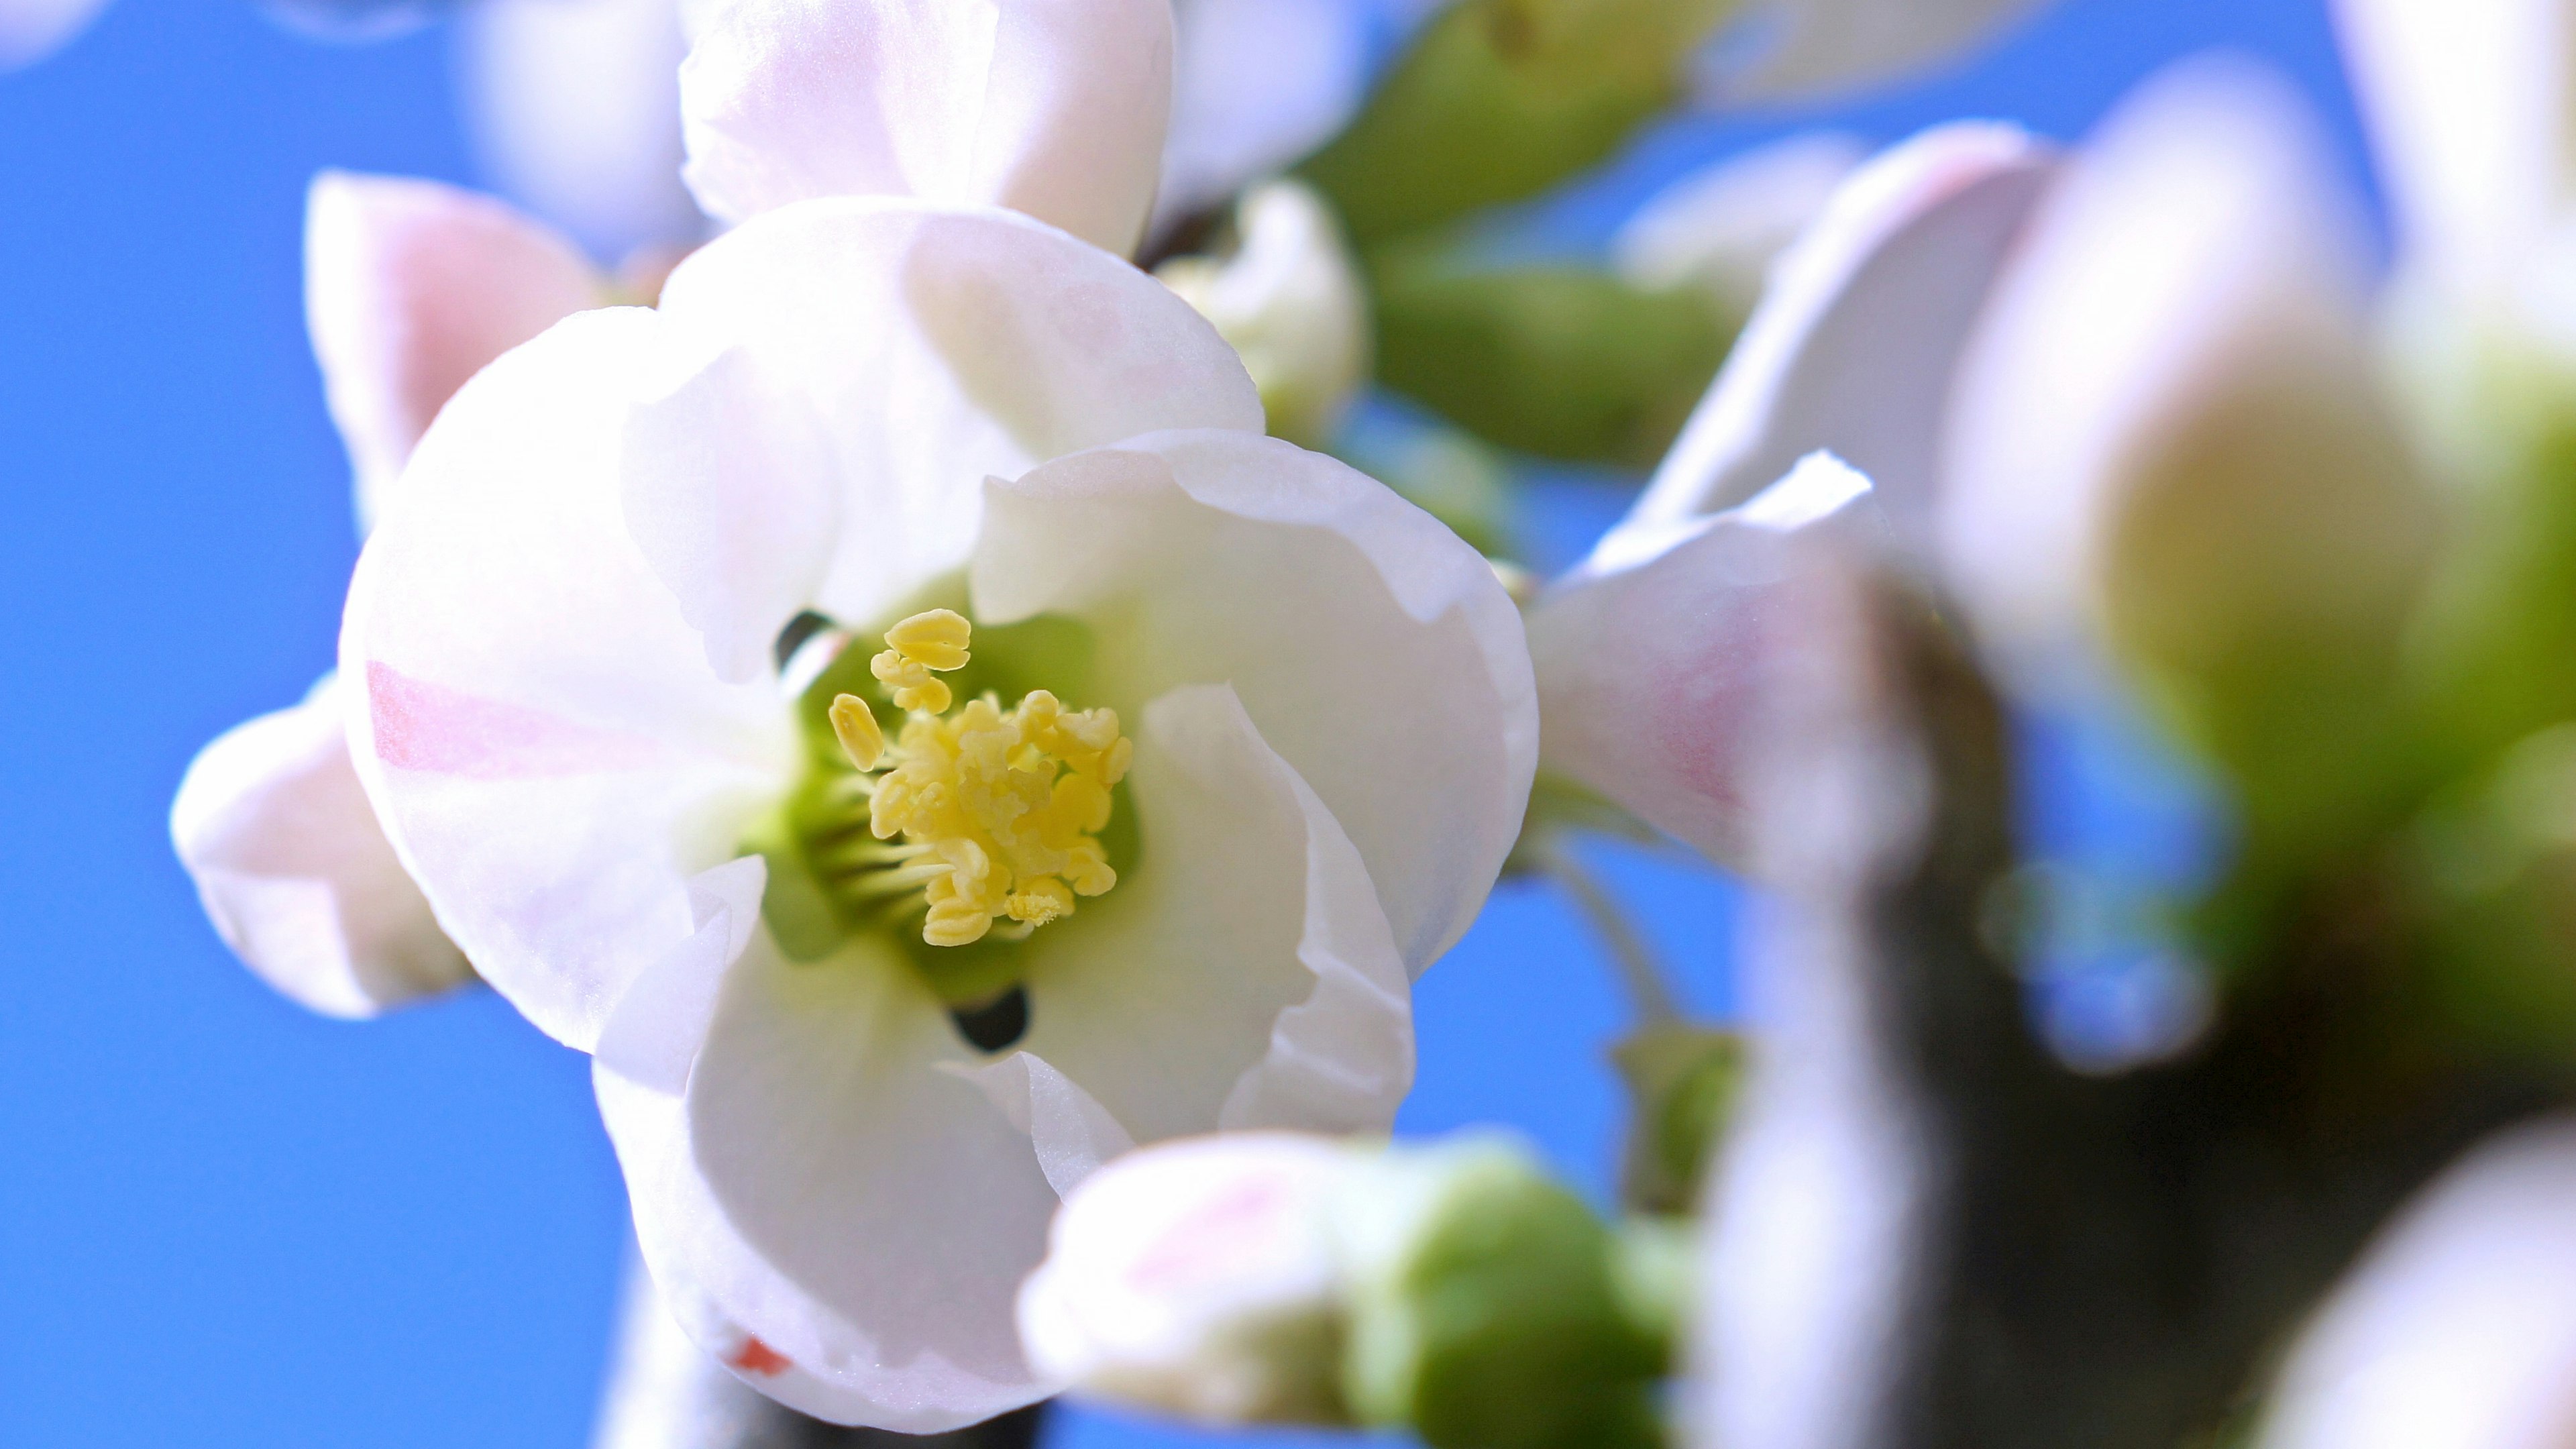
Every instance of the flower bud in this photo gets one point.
(1290, 301)
(1199, 1277)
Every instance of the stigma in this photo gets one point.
(993, 814)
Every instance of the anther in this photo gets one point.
(855, 726)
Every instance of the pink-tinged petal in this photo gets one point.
(2188, 298)
(410, 288)
(848, 1218)
(295, 873)
(2470, 107)
(941, 347)
(550, 751)
(2458, 1330)
(1855, 343)
(1815, 48)
(30, 30)
(1650, 657)
(1374, 651)
(1258, 86)
(574, 106)
(1055, 108)
(1243, 975)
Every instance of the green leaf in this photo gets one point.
(1501, 99)
(1560, 361)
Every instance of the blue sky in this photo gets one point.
(224, 1222)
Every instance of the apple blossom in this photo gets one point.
(1851, 350)
(1449, 1289)
(1291, 300)
(410, 287)
(1808, 47)
(1720, 227)
(1183, 751)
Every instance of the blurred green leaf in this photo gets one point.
(1681, 1082)
(1559, 361)
(1501, 99)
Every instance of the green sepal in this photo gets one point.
(1498, 100)
(1561, 361)
(1486, 1310)
(1682, 1083)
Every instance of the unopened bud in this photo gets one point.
(1290, 301)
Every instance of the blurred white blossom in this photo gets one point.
(30, 30)
(1291, 300)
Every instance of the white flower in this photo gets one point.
(1259, 86)
(1291, 301)
(574, 108)
(574, 733)
(1784, 48)
(1257, 739)
(2458, 1330)
(1720, 227)
(1851, 351)
(410, 288)
(30, 30)
(1201, 1277)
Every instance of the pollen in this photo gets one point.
(994, 814)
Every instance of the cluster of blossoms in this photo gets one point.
(1189, 748)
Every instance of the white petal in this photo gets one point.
(1056, 108)
(1243, 974)
(295, 873)
(1721, 227)
(941, 347)
(1070, 1131)
(543, 737)
(833, 1190)
(30, 30)
(1786, 48)
(410, 288)
(1854, 345)
(1257, 86)
(1373, 650)
(1649, 658)
(2458, 1331)
(732, 498)
(2193, 255)
(2470, 108)
(575, 107)
(1187, 1275)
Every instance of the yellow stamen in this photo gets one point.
(998, 809)
(855, 726)
(915, 649)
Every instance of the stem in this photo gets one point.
(663, 1393)
(1648, 992)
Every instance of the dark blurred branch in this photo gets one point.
(663, 1393)
(1999, 1252)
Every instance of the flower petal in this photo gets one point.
(1257, 86)
(1721, 227)
(1649, 657)
(575, 107)
(832, 1190)
(1827, 47)
(542, 736)
(1069, 1129)
(1372, 649)
(1243, 975)
(940, 347)
(30, 30)
(410, 288)
(2458, 1331)
(1055, 108)
(295, 873)
(2469, 106)
(1854, 345)
(2190, 284)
